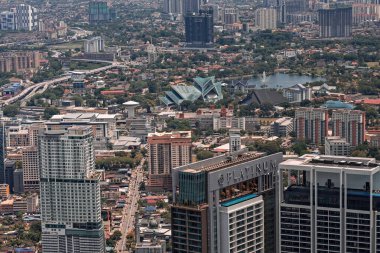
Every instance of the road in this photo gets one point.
(130, 208)
(33, 89)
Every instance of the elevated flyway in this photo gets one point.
(30, 91)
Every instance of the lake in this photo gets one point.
(281, 80)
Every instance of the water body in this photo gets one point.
(281, 80)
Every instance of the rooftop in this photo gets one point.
(340, 162)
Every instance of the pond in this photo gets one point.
(280, 80)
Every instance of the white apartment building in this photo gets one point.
(266, 18)
(26, 17)
(329, 204)
(297, 93)
(335, 145)
(94, 45)
(70, 192)
(242, 224)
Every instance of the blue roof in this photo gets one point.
(331, 104)
(238, 200)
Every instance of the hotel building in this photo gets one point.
(329, 204)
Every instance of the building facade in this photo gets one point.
(98, 12)
(26, 17)
(329, 204)
(337, 146)
(165, 152)
(7, 21)
(335, 22)
(349, 124)
(311, 124)
(19, 61)
(225, 204)
(70, 192)
(31, 171)
(199, 28)
(282, 127)
(266, 18)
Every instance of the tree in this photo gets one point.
(299, 147)
(204, 154)
(50, 111)
(11, 110)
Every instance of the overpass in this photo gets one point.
(34, 89)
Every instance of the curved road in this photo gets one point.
(30, 91)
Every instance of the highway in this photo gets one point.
(36, 88)
(130, 208)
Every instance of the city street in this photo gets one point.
(130, 208)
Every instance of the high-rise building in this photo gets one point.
(349, 124)
(2, 152)
(166, 151)
(230, 15)
(199, 28)
(337, 146)
(9, 168)
(7, 21)
(329, 204)
(98, 12)
(94, 45)
(70, 192)
(311, 124)
(30, 166)
(26, 17)
(173, 6)
(226, 204)
(191, 6)
(19, 61)
(335, 22)
(266, 18)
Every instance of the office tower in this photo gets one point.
(18, 182)
(199, 28)
(19, 61)
(281, 11)
(349, 124)
(7, 21)
(9, 168)
(329, 204)
(335, 22)
(26, 17)
(226, 204)
(30, 166)
(166, 151)
(311, 124)
(70, 192)
(191, 6)
(230, 15)
(235, 140)
(2, 152)
(266, 18)
(173, 6)
(337, 146)
(282, 127)
(94, 45)
(98, 12)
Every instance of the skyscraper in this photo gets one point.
(335, 22)
(266, 18)
(98, 12)
(199, 28)
(349, 124)
(26, 17)
(70, 192)
(167, 151)
(30, 166)
(191, 6)
(2, 152)
(226, 204)
(311, 124)
(329, 204)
